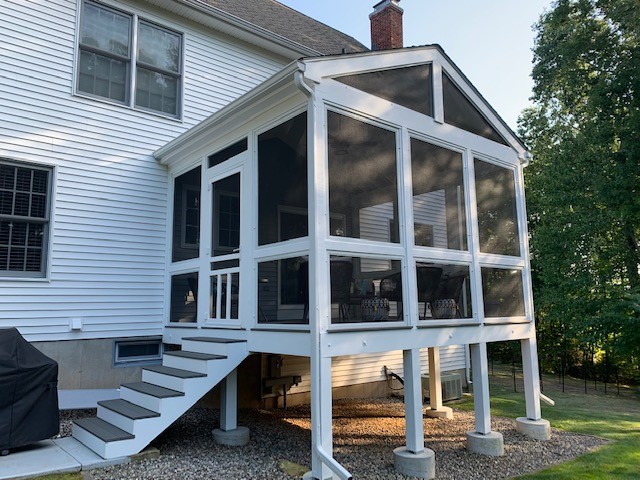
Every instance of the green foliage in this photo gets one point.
(583, 186)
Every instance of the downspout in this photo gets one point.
(327, 459)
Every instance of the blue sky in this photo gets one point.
(490, 40)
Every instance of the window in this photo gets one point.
(24, 219)
(107, 53)
(128, 353)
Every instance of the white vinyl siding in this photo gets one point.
(359, 369)
(109, 195)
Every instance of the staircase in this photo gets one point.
(145, 409)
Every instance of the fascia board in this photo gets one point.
(254, 100)
(224, 22)
(346, 64)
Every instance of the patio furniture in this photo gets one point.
(341, 273)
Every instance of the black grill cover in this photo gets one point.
(28, 392)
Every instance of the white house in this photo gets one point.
(231, 178)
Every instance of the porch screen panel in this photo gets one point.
(283, 291)
(282, 182)
(225, 226)
(362, 294)
(460, 112)
(410, 87)
(497, 214)
(444, 291)
(363, 190)
(186, 216)
(503, 292)
(184, 298)
(438, 197)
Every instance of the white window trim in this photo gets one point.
(48, 222)
(137, 360)
(130, 101)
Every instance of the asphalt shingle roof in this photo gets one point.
(289, 23)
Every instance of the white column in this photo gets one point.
(321, 414)
(413, 400)
(480, 368)
(531, 377)
(435, 384)
(229, 402)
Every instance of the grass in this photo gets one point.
(613, 417)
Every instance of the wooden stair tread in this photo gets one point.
(103, 430)
(214, 340)
(174, 372)
(153, 390)
(195, 355)
(128, 409)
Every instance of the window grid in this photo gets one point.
(23, 219)
(106, 57)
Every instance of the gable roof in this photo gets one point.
(282, 20)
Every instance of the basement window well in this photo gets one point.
(127, 353)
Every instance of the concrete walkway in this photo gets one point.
(52, 456)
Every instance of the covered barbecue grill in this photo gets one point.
(28, 392)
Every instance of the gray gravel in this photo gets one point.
(365, 434)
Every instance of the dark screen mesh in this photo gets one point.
(410, 87)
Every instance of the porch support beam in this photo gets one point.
(229, 401)
(230, 433)
(482, 441)
(533, 425)
(436, 409)
(413, 460)
(413, 400)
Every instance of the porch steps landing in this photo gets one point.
(145, 409)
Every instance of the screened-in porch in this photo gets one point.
(349, 205)
(416, 211)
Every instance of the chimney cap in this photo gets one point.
(384, 4)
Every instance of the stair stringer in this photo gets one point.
(170, 409)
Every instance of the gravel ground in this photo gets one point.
(365, 434)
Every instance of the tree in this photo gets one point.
(583, 185)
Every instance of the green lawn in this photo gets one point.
(609, 416)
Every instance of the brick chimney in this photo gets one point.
(386, 25)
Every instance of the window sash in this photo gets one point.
(18, 248)
(106, 81)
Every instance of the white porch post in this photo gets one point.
(229, 402)
(414, 459)
(229, 432)
(321, 415)
(413, 400)
(436, 409)
(482, 441)
(533, 425)
(481, 400)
